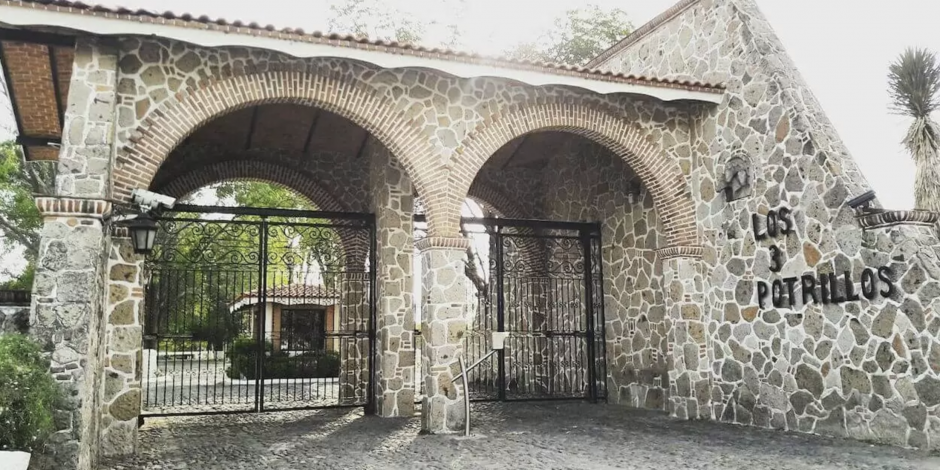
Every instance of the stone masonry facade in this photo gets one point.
(687, 329)
(867, 369)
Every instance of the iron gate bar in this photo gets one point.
(500, 309)
(589, 304)
(196, 279)
(555, 350)
(272, 212)
(524, 223)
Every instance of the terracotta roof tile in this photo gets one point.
(294, 291)
(345, 40)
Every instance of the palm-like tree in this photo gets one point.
(914, 82)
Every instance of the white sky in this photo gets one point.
(842, 49)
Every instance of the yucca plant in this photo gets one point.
(914, 82)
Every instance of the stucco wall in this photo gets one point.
(867, 368)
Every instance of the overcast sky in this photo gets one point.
(842, 48)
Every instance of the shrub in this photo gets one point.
(242, 354)
(28, 395)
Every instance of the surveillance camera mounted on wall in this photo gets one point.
(149, 201)
(863, 201)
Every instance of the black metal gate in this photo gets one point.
(258, 310)
(543, 285)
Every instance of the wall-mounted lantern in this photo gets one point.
(143, 231)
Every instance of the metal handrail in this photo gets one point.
(466, 392)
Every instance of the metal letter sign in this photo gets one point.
(822, 287)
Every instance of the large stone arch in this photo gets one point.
(662, 176)
(180, 116)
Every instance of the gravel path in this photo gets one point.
(516, 435)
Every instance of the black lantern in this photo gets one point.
(143, 233)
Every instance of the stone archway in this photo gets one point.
(662, 177)
(138, 163)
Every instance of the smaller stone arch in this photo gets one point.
(661, 175)
(274, 173)
(355, 243)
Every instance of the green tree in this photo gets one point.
(306, 248)
(374, 19)
(914, 82)
(577, 37)
(20, 221)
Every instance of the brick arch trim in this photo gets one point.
(281, 175)
(660, 174)
(183, 114)
(496, 200)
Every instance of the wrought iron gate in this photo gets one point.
(543, 284)
(258, 310)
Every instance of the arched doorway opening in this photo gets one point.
(575, 278)
(264, 289)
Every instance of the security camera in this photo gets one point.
(149, 201)
(862, 201)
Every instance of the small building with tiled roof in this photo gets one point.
(680, 215)
(298, 318)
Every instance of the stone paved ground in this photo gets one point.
(518, 435)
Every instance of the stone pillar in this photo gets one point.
(123, 354)
(393, 204)
(66, 316)
(445, 313)
(68, 292)
(687, 337)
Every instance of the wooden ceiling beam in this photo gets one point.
(515, 151)
(313, 128)
(35, 37)
(54, 67)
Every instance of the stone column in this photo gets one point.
(687, 337)
(123, 355)
(66, 316)
(445, 313)
(393, 204)
(69, 289)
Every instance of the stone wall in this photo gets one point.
(121, 391)
(865, 369)
(67, 301)
(431, 122)
(393, 205)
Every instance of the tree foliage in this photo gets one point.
(28, 395)
(577, 37)
(374, 19)
(20, 221)
(913, 84)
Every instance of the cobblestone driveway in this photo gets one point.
(518, 435)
